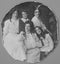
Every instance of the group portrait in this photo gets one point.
(29, 32)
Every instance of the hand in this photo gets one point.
(22, 33)
(41, 37)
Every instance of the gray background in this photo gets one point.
(5, 6)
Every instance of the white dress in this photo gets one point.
(33, 50)
(48, 44)
(12, 41)
(38, 22)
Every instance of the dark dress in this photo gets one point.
(21, 26)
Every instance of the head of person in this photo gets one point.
(38, 30)
(27, 26)
(36, 13)
(24, 14)
(14, 14)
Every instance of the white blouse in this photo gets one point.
(48, 44)
(38, 22)
(10, 27)
(32, 41)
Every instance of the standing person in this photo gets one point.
(22, 21)
(13, 42)
(32, 48)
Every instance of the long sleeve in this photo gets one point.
(43, 26)
(37, 40)
(50, 41)
(6, 28)
(48, 44)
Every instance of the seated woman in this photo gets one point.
(13, 42)
(46, 39)
(32, 47)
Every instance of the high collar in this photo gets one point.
(24, 20)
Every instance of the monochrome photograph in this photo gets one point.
(30, 32)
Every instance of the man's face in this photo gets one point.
(24, 15)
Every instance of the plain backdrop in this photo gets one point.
(5, 6)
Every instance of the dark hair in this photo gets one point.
(31, 25)
(13, 13)
(25, 11)
(42, 32)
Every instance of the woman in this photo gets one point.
(13, 42)
(37, 21)
(46, 40)
(32, 48)
(22, 21)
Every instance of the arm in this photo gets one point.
(6, 28)
(50, 41)
(21, 36)
(48, 44)
(38, 41)
(43, 26)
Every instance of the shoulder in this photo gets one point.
(7, 22)
(33, 18)
(20, 21)
(34, 35)
(48, 36)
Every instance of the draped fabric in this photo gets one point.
(33, 50)
(48, 44)
(12, 41)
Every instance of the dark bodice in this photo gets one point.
(21, 26)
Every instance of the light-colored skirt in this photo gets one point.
(14, 47)
(33, 55)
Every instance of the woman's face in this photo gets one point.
(27, 27)
(38, 30)
(24, 15)
(36, 13)
(14, 15)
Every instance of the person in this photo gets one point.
(46, 39)
(39, 33)
(37, 21)
(22, 21)
(13, 42)
(32, 47)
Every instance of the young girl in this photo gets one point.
(46, 40)
(32, 48)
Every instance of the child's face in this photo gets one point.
(38, 30)
(27, 27)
